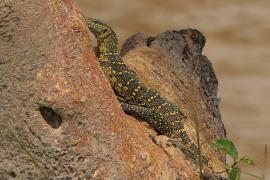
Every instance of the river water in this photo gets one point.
(238, 45)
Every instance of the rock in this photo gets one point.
(59, 116)
(172, 63)
(179, 52)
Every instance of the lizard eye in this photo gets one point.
(105, 30)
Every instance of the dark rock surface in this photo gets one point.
(184, 48)
(172, 63)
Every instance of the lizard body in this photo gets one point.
(137, 99)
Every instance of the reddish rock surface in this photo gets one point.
(172, 63)
(59, 116)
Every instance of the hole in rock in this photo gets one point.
(51, 117)
(12, 174)
(149, 41)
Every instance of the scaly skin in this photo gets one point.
(136, 99)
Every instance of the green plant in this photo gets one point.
(233, 169)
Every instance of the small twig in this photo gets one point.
(197, 128)
(199, 147)
(182, 147)
(12, 135)
(264, 162)
(234, 163)
(226, 171)
(258, 177)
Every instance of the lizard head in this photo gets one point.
(106, 37)
(97, 27)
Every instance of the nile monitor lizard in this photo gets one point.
(137, 99)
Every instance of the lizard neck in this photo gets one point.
(107, 44)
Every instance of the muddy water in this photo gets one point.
(238, 44)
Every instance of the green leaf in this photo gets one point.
(235, 174)
(227, 146)
(248, 161)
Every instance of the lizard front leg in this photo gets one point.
(183, 142)
(140, 112)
